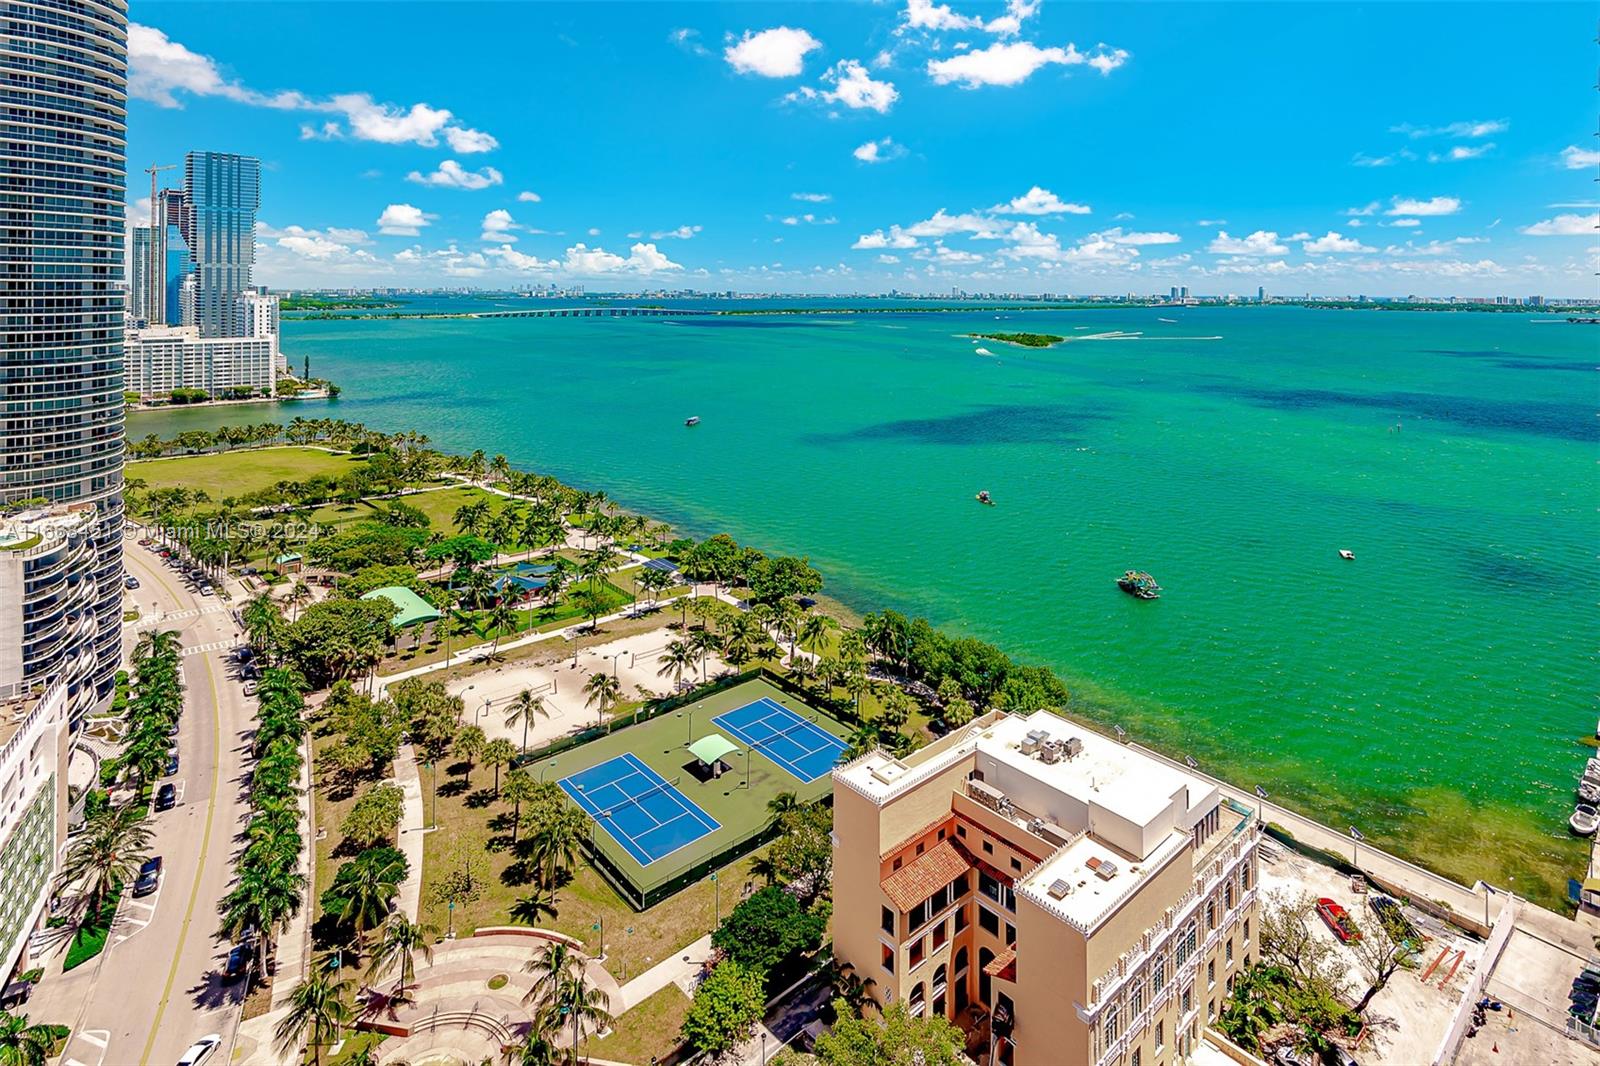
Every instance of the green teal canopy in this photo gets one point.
(410, 608)
(709, 749)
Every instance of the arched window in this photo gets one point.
(941, 978)
(918, 1000)
(961, 960)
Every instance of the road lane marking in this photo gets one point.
(199, 870)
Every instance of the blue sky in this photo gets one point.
(1045, 147)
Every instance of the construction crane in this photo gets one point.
(155, 284)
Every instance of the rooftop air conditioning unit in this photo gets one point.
(1059, 889)
(1106, 870)
(1051, 752)
(1034, 740)
(1036, 826)
(1074, 747)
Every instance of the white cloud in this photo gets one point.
(853, 87)
(1358, 212)
(1209, 222)
(497, 226)
(1404, 223)
(811, 197)
(1575, 158)
(519, 261)
(1261, 242)
(451, 175)
(324, 246)
(927, 15)
(682, 233)
(880, 151)
(1433, 248)
(774, 53)
(584, 261)
(1116, 236)
(807, 219)
(980, 226)
(1013, 63)
(403, 220)
(689, 41)
(1438, 205)
(1039, 201)
(894, 238)
(887, 258)
(161, 70)
(528, 197)
(1454, 129)
(1564, 226)
(1332, 243)
(1460, 152)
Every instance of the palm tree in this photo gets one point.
(782, 804)
(538, 1044)
(537, 904)
(519, 788)
(501, 618)
(602, 691)
(865, 738)
(561, 986)
(524, 708)
(469, 745)
(109, 851)
(556, 845)
(552, 968)
(497, 753)
(401, 941)
(368, 896)
(22, 1044)
(679, 656)
(704, 641)
(299, 595)
(317, 1010)
(814, 631)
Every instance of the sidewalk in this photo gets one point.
(682, 969)
(413, 830)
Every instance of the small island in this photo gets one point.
(1026, 340)
(347, 303)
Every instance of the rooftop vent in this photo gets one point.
(1034, 741)
(1074, 747)
(1051, 751)
(1106, 870)
(1059, 888)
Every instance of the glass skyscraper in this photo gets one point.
(221, 194)
(63, 75)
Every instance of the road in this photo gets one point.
(158, 987)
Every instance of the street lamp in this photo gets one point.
(716, 894)
(1356, 838)
(600, 924)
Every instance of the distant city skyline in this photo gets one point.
(920, 147)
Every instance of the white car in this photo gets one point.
(207, 590)
(201, 1050)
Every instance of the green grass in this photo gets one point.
(1026, 340)
(236, 473)
(649, 1032)
(660, 744)
(91, 938)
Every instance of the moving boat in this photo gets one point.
(1139, 584)
(1338, 920)
(692, 420)
(983, 498)
(1346, 553)
(1585, 819)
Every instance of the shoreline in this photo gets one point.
(147, 408)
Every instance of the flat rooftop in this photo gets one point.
(1085, 881)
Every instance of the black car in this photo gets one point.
(238, 961)
(166, 796)
(149, 877)
(172, 763)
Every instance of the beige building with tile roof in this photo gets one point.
(1062, 897)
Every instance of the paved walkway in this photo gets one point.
(413, 829)
(683, 970)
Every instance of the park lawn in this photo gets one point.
(648, 1033)
(464, 820)
(242, 471)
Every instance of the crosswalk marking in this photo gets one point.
(215, 645)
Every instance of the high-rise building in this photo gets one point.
(1060, 896)
(63, 70)
(1261, 294)
(139, 264)
(1183, 292)
(221, 192)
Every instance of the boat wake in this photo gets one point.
(981, 351)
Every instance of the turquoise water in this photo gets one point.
(1433, 691)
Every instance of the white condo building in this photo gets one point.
(163, 358)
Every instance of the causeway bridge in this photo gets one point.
(595, 312)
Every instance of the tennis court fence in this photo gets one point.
(603, 852)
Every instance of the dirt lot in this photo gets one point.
(1409, 1017)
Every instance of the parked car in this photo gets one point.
(207, 590)
(201, 1050)
(166, 798)
(249, 672)
(249, 688)
(149, 877)
(172, 764)
(144, 542)
(1288, 1056)
(238, 961)
(131, 582)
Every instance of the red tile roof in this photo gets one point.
(926, 874)
(1003, 965)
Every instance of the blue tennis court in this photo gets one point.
(641, 810)
(801, 747)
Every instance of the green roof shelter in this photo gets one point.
(711, 750)
(410, 609)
